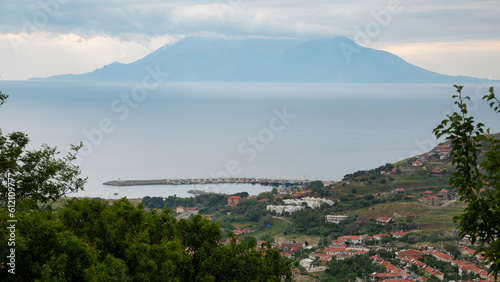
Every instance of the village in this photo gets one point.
(395, 241)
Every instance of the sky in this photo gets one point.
(50, 37)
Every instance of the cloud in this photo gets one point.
(44, 54)
(470, 58)
(123, 30)
(419, 20)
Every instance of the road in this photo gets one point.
(187, 214)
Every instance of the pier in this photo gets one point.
(261, 181)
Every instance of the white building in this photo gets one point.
(281, 209)
(335, 218)
(310, 202)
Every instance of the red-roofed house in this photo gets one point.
(338, 243)
(384, 220)
(467, 251)
(400, 191)
(379, 237)
(441, 256)
(417, 163)
(343, 256)
(355, 252)
(444, 194)
(353, 239)
(414, 261)
(333, 251)
(398, 235)
(324, 260)
(412, 254)
(435, 272)
(428, 193)
(433, 201)
(233, 200)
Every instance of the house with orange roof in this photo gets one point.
(414, 254)
(428, 193)
(399, 191)
(384, 220)
(433, 201)
(444, 194)
(353, 239)
(441, 256)
(410, 260)
(435, 272)
(233, 200)
(354, 252)
(417, 163)
(411, 197)
(338, 243)
(319, 255)
(398, 235)
(482, 273)
(343, 256)
(466, 251)
(379, 237)
(332, 251)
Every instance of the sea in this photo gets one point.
(135, 131)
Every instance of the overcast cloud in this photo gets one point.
(47, 37)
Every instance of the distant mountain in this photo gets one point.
(337, 60)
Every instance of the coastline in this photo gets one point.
(262, 181)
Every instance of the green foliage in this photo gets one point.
(471, 175)
(91, 240)
(350, 268)
(445, 267)
(317, 188)
(3, 97)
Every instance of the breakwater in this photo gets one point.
(261, 181)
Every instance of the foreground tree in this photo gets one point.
(476, 176)
(89, 240)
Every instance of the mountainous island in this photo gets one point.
(337, 60)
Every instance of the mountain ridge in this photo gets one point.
(337, 60)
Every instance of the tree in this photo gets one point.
(475, 177)
(36, 176)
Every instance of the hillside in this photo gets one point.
(337, 60)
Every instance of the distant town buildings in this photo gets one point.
(293, 205)
(313, 203)
(335, 218)
(280, 210)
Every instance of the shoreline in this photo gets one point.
(261, 181)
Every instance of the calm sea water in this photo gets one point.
(202, 130)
